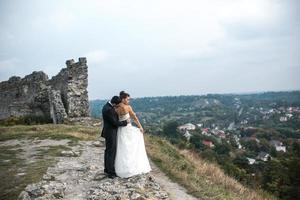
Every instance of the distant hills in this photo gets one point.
(150, 104)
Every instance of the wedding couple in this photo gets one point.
(125, 153)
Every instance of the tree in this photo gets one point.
(170, 129)
(222, 149)
(275, 178)
(241, 162)
(209, 154)
(196, 141)
(251, 145)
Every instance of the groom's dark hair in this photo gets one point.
(115, 100)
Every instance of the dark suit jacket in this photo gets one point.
(110, 120)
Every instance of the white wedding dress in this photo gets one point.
(131, 157)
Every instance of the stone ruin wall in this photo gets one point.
(63, 96)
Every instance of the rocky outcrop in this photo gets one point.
(63, 96)
(78, 175)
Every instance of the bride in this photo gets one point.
(131, 158)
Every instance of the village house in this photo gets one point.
(200, 125)
(231, 126)
(283, 119)
(205, 131)
(244, 121)
(208, 143)
(187, 135)
(237, 140)
(263, 156)
(188, 126)
(278, 145)
(265, 117)
(221, 134)
(252, 138)
(251, 161)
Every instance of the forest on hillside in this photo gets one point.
(253, 137)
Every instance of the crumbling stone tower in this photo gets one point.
(77, 95)
(63, 96)
(72, 83)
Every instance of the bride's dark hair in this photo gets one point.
(124, 95)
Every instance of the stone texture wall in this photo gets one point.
(63, 96)
(77, 96)
(57, 109)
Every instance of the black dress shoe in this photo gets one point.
(107, 173)
(112, 176)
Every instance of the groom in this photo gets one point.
(109, 132)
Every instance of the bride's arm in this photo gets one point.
(134, 117)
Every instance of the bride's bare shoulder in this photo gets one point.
(128, 107)
(125, 107)
(120, 108)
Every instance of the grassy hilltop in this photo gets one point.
(23, 161)
(202, 179)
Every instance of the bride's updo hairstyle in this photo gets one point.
(124, 95)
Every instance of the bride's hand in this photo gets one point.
(141, 129)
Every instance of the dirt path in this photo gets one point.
(78, 175)
(176, 192)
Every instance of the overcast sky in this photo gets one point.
(157, 47)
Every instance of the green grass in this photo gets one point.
(53, 151)
(202, 179)
(11, 184)
(49, 131)
(11, 164)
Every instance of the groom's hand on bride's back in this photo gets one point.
(128, 121)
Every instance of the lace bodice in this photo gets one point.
(124, 117)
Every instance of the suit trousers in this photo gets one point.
(110, 152)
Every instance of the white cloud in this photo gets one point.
(195, 54)
(259, 11)
(9, 67)
(8, 63)
(62, 19)
(6, 35)
(97, 56)
(155, 40)
(58, 19)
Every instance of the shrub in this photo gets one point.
(25, 120)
